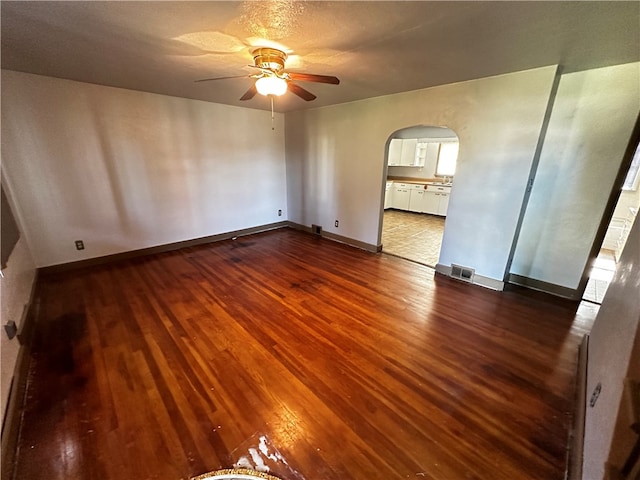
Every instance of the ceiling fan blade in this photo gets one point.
(249, 94)
(310, 77)
(220, 78)
(301, 92)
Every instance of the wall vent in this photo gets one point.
(462, 273)
(317, 229)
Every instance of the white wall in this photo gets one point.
(336, 156)
(15, 289)
(124, 170)
(614, 353)
(590, 126)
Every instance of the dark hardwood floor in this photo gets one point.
(341, 364)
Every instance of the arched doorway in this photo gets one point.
(420, 173)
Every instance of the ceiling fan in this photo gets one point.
(272, 78)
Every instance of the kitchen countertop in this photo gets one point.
(417, 180)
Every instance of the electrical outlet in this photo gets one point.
(279, 213)
(79, 245)
(337, 223)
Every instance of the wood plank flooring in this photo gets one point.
(347, 364)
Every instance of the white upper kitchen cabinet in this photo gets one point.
(408, 153)
(431, 159)
(395, 152)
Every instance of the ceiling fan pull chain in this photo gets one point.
(272, 119)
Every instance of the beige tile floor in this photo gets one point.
(414, 236)
(600, 276)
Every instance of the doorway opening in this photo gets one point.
(624, 215)
(421, 165)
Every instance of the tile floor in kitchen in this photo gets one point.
(414, 236)
(600, 276)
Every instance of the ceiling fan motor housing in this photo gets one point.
(272, 79)
(270, 59)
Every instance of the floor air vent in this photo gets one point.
(462, 273)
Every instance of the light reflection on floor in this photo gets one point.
(258, 453)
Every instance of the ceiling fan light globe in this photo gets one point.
(271, 86)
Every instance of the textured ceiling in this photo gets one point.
(375, 48)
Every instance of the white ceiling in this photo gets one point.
(375, 48)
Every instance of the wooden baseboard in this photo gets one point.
(532, 283)
(168, 247)
(575, 450)
(12, 420)
(339, 238)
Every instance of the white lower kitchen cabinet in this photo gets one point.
(401, 195)
(439, 199)
(388, 195)
(416, 199)
(420, 198)
(443, 204)
(430, 203)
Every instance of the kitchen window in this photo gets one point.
(447, 158)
